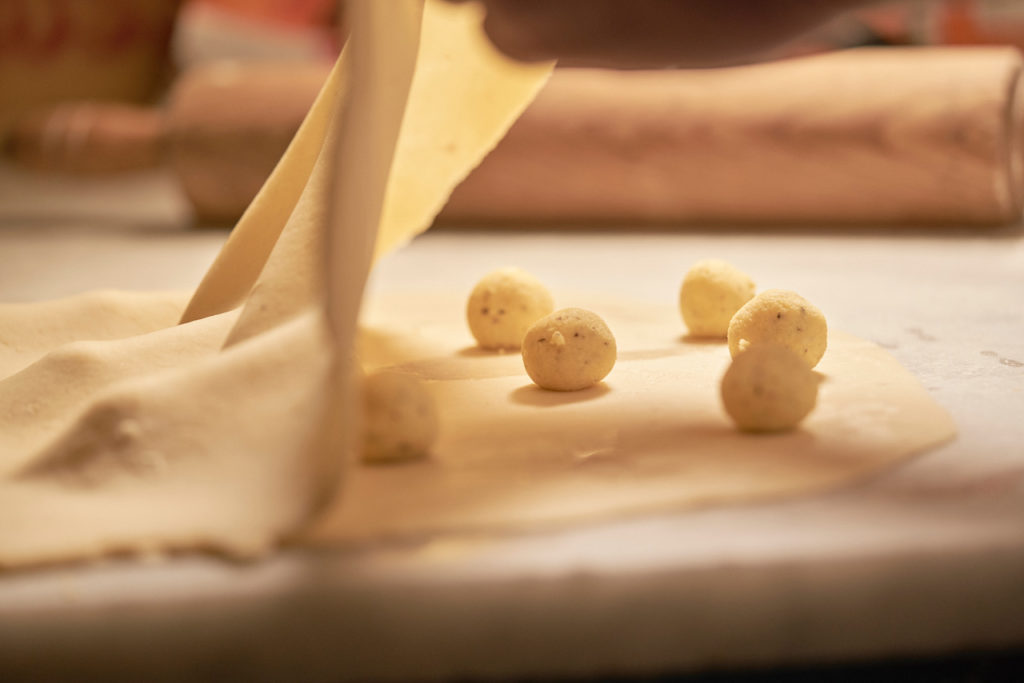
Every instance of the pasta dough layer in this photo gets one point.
(126, 432)
(653, 438)
(229, 431)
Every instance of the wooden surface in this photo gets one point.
(928, 558)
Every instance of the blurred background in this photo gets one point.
(189, 103)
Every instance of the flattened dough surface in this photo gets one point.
(124, 431)
(29, 330)
(652, 438)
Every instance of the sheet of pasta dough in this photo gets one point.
(128, 433)
(652, 438)
(165, 437)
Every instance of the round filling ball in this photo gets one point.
(399, 418)
(570, 349)
(783, 317)
(768, 388)
(503, 305)
(712, 292)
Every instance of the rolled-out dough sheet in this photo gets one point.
(194, 457)
(227, 431)
(651, 438)
(30, 330)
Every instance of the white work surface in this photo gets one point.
(928, 558)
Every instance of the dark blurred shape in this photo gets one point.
(651, 33)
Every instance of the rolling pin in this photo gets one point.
(908, 135)
(873, 135)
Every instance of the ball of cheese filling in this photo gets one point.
(768, 388)
(712, 292)
(783, 317)
(399, 418)
(570, 349)
(503, 305)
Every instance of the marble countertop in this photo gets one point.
(926, 558)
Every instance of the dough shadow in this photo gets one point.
(533, 395)
(650, 354)
(477, 352)
(444, 368)
(679, 346)
(694, 340)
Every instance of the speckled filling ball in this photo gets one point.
(783, 317)
(503, 305)
(399, 418)
(768, 388)
(712, 292)
(570, 349)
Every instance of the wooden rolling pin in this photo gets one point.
(881, 135)
(916, 135)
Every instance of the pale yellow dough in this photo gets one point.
(768, 388)
(399, 418)
(503, 305)
(569, 350)
(228, 432)
(29, 330)
(711, 293)
(123, 431)
(512, 457)
(783, 317)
